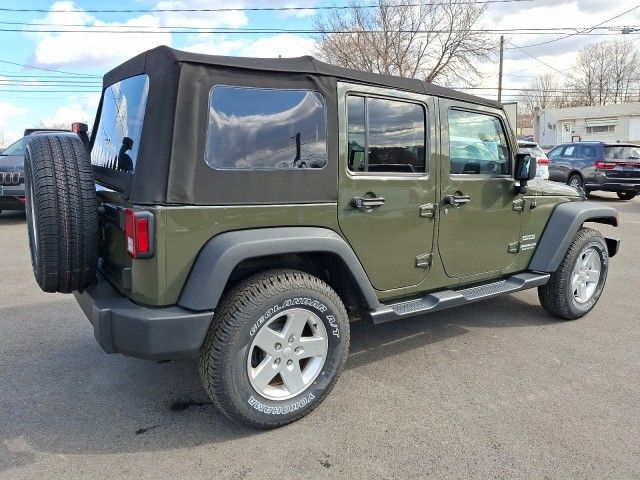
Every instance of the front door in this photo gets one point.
(387, 189)
(479, 226)
(565, 133)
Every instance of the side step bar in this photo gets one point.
(452, 298)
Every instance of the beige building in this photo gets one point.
(606, 123)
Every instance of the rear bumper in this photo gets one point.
(607, 184)
(121, 326)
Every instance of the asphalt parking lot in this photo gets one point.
(493, 390)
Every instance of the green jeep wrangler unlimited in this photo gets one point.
(242, 210)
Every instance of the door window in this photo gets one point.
(385, 135)
(477, 144)
(570, 151)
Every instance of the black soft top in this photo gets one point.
(170, 167)
(306, 64)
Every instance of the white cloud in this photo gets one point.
(78, 108)
(71, 49)
(10, 115)
(230, 19)
(283, 44)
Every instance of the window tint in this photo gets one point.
(265, 129)
(570, 151)
(385, 135)
(622, 152)
(555, 152)
(477, 144)
(120, 126)
(588, 151)
(16, 148)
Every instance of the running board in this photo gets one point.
(453, 298)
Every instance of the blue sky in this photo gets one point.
(53, 98)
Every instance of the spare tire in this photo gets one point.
(62, 212)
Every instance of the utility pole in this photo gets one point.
(500, 68)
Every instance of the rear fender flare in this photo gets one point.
(220, 255)
(565, 221)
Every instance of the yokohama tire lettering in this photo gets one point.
(285, 409)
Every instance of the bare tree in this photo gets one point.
(436, 42)
(607, 72)
(541, 93)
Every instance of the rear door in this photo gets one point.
(479, 226)
(387, 187)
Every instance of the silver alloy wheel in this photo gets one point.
(575, 182)
(586, 275)
(287, 354)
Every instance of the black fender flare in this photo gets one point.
(221, 254)
(565, 221)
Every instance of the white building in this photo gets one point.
(607, 123)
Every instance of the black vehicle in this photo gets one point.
(610, 167)
(12, 195)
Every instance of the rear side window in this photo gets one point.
(385, 135)
(477, 144)
(588, 151)
(629, 152)
(117, 137)
(266, 129)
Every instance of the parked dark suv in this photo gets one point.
(611, 167)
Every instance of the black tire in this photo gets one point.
(557, 296)
(626, 195)
(62, 213)
(575, 180)
(243, 312)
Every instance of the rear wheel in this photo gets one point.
(275, 349)
(626, 195)
(575, 181)
(575, 287)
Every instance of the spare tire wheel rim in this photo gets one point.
(34, 223)
(586, 275)
(287, 354)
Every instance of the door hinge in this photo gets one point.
(514, 247)
(423, 260)
(428, 210)
(518, 205)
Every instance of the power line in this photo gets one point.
(47, 69)
(253, 9)
(227, 31)
(542, 62)
(598, 25)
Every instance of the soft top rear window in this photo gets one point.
(117, 138)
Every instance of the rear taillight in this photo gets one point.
(543, 161)
(605, 165)
(139, 233)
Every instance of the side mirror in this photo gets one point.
(525, 170)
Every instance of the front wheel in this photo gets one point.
(575, 287)
(275, 349)
(626, 195)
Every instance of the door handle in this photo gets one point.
(457, 200)
(366, 204)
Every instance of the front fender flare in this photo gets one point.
(221, 254)
(565, 221)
